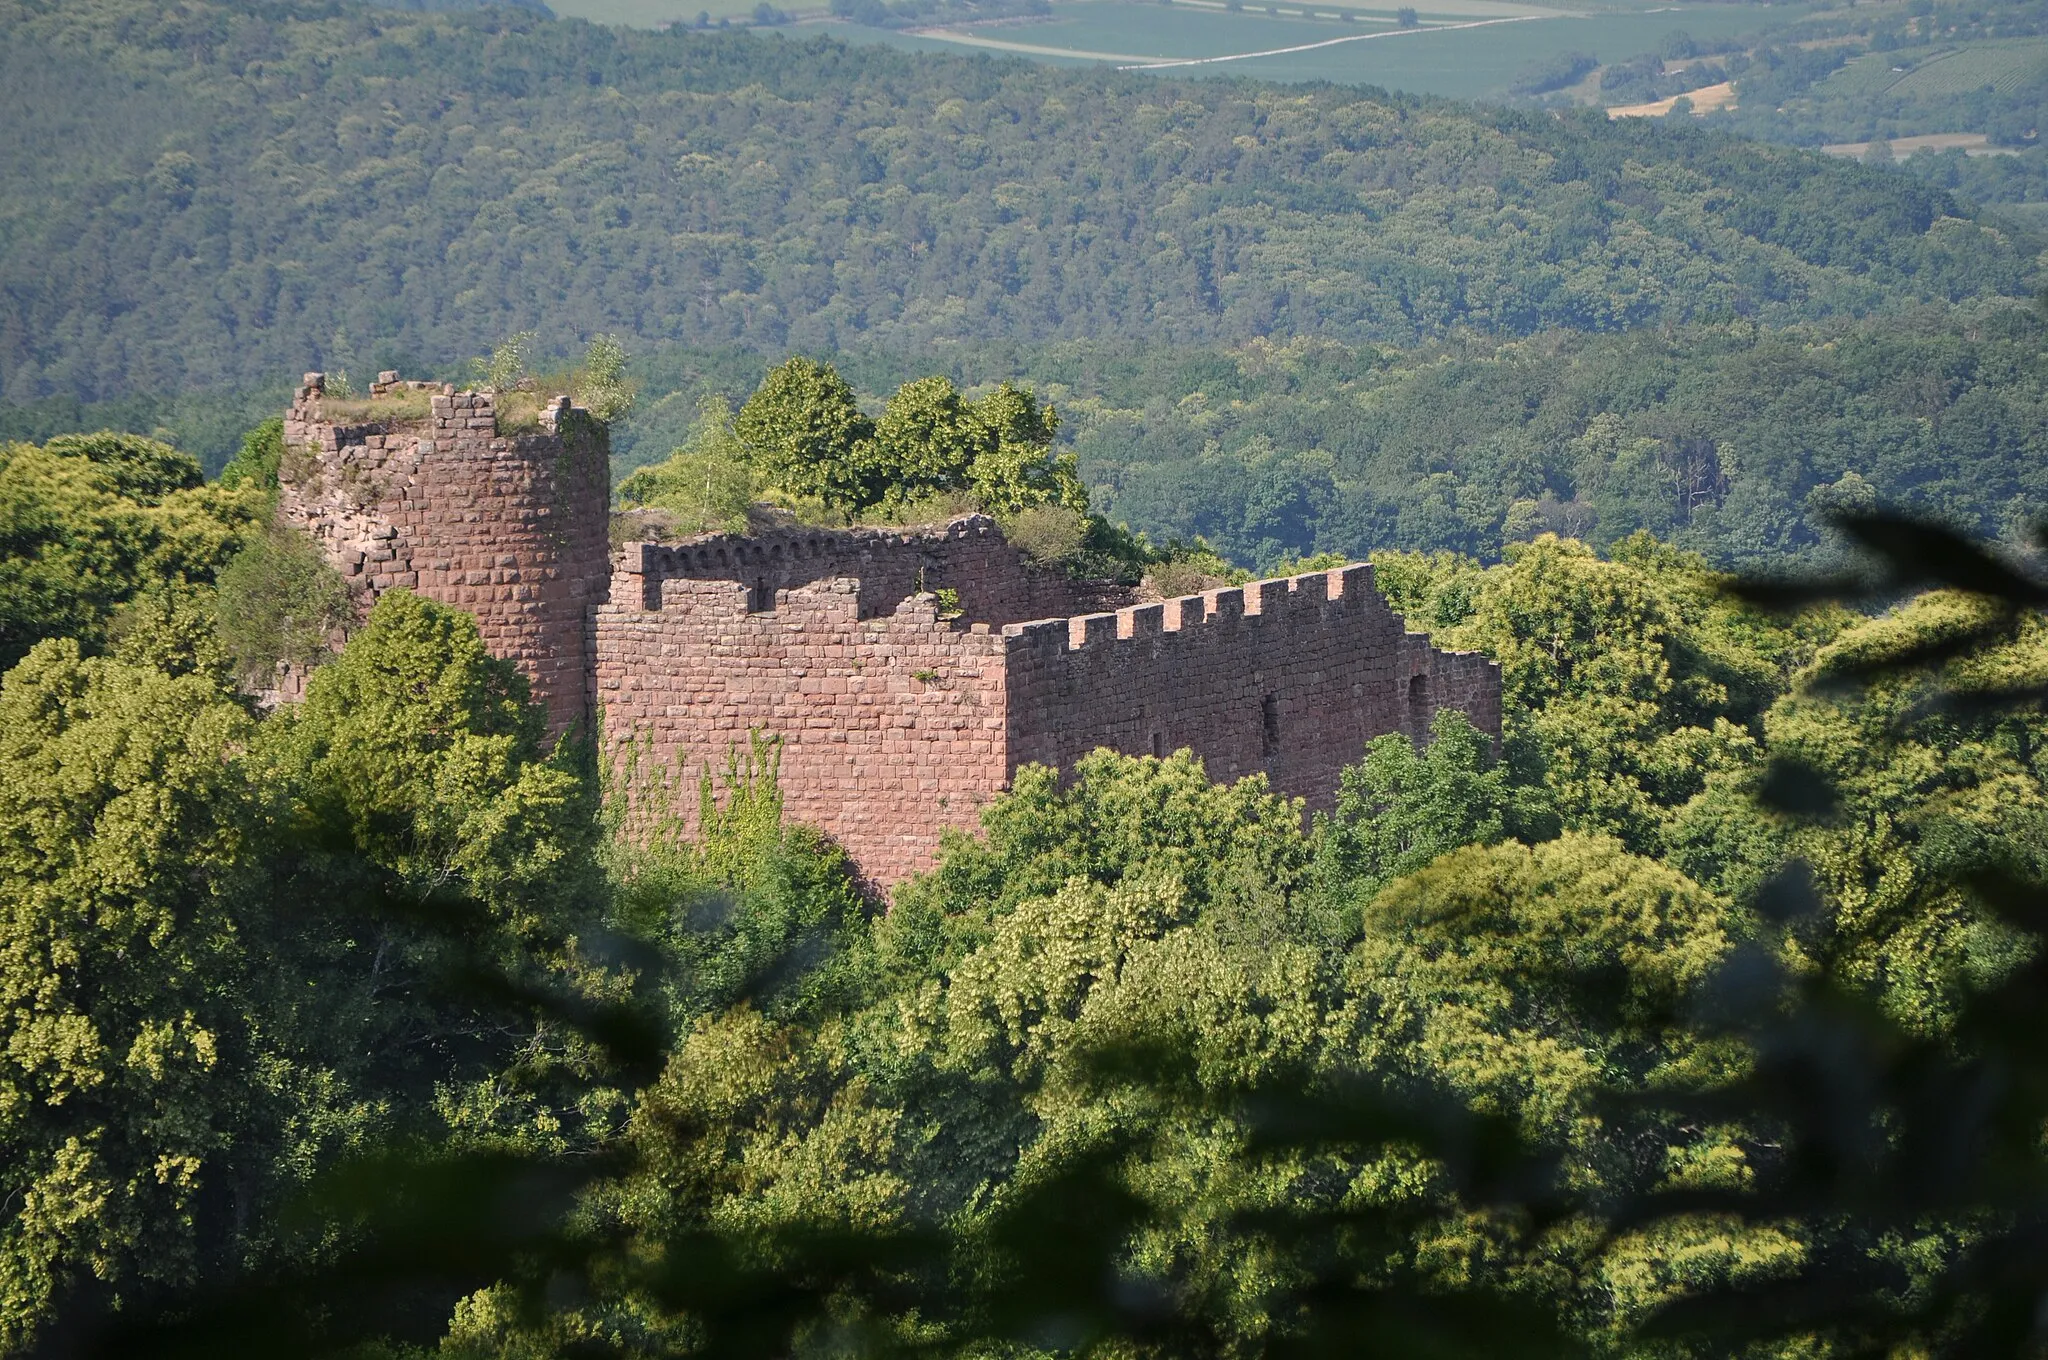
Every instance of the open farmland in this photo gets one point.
(1463, 49)
(1939, 72)
(1704, 101)
(662, 13)
(2003, 66)
(1969, 143)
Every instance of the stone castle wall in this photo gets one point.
(891, 727)
(1288, 678)
(895, 725)
(511, 527)
(968, 556)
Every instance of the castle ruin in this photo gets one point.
(894, 722)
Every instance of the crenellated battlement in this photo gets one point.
(1287, 677)
(968, 555)
(895, 722)
(1344, 588)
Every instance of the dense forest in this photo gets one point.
(364, 1021)
(1695, 1014)
(210, 195)
(1734, 441)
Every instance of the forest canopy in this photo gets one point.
(211, 195)
(1693, 1013)
(1484, 1053)
(1733, 440)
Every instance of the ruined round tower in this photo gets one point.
(470, 500)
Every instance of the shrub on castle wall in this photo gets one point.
(256, 463)
(1048, 535)
(279, 600)
(708, 485)
(601, 386)
(381, 409)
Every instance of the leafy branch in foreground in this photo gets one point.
(1920, 1153)
(1150, 1069)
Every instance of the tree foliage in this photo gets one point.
(809, 195)
(1702, 1015)
(125, 827)
(88, 521)
(804, 431)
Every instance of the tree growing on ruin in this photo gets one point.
(804, 429)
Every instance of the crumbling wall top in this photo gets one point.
(715, 552)
(968, 558)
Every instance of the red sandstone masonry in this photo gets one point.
(968, 555)
(1287, 678)
(896, 725)
(512, 528)
(890, 728)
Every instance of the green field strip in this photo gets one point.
(1334, 42)
(2005, 67)
(1440, 58)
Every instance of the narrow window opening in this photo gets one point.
(1269, 721)
(761, 599)
(1159, 746)
(1419, 707)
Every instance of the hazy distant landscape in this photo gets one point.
(528, 827)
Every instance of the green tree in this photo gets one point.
(87, 521)
(504, 369)
(428, 753)
(1919, 798)
(279, 600)
(256, 462)
(1625, 682)
(805, 431)
(128, 847)
(707, 485)
(1120, 817)
(438, 843)
(928, 440)
(600, 383)
(1548, 985)
(1400, 808)
(1019, 471)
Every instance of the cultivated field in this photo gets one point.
(1704, 101)
(661, 13)
(1465, 48)
(2005, 66)
(1969, 143)
(1937, 72)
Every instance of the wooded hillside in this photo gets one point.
(209, 195)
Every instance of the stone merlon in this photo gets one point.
(893, 722)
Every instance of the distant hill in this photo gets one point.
(1732, 440)
(211, 195)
